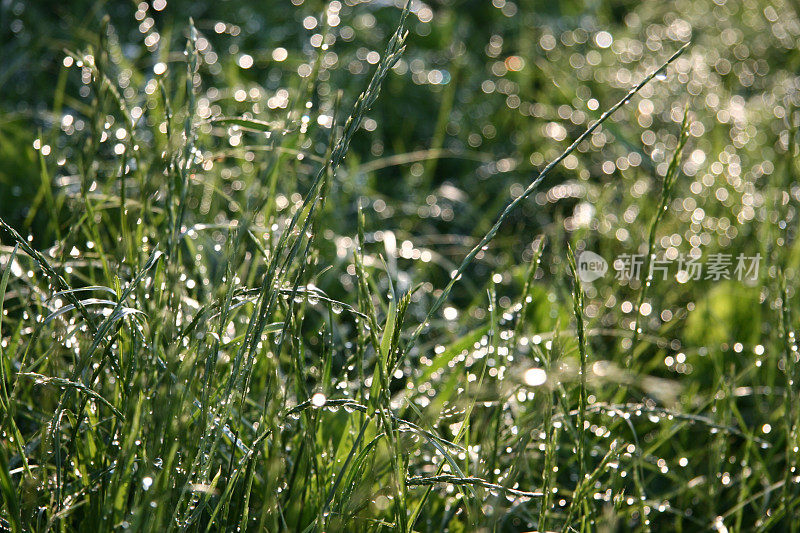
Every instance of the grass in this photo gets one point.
(241, 305)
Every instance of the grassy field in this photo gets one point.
(365, 266)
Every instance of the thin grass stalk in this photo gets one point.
(578, 310)
(667, 187)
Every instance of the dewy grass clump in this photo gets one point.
(311, 269)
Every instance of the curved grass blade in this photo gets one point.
(65, 383)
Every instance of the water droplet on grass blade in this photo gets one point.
(318, 400)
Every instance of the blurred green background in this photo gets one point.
(485, 95)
